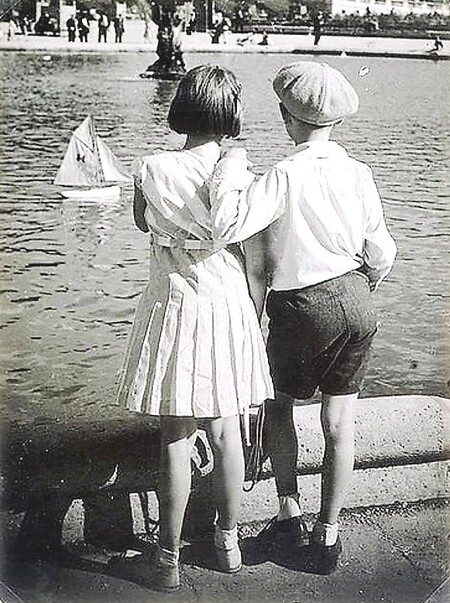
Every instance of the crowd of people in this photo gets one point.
(22, 23)
(253, 25)
(241, 20)
(368, 23)
(81, 25)
(355, 23)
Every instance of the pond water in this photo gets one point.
(71, 272)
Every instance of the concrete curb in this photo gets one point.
(402, 452)
(390, 431)
(84, 449)
(280, 44)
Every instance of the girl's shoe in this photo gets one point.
(227, 549)
(157, 573)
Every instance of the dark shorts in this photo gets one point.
(320, 336)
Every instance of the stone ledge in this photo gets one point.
(85, 449)
(390, 430)
(370, 488)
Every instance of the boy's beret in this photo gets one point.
(315, 93)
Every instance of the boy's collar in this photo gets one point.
(320, 149)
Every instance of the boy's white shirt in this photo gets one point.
(324, 209)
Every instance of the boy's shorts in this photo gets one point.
(320, 336)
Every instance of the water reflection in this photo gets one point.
(71, 271)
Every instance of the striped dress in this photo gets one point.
(196, 348)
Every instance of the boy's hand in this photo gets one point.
(234, 153)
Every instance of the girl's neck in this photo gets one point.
(193, 141)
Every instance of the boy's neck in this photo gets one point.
(301, 132)
(313, 135)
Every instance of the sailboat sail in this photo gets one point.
(80, 163)
(88, 161)
(111, 167)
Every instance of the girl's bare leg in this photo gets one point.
(178, 436)
(228, 478)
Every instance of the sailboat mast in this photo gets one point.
(99, 170)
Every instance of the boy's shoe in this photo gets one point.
(323, 559)
(287, 533)
(153, 573)
(227, 548)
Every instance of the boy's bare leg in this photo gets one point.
(338, 430)
(337, 417)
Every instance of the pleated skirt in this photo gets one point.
(196, 348)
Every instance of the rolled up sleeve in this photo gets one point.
(380, 248)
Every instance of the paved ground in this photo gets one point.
(134, 41)
(393, 554)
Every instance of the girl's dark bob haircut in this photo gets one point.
(207, 103)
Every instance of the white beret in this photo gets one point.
(315, 93)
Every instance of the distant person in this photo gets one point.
(103, 26)
(265, 39)
(71, 25)
(239, 20)
(12, 29)
(119, 28)
(24, 24)
(226, 30)
(83, 27)
(217, 30)
(325, 250)
(438, 45)
(317, 27)
(196, 355)
(43, 25)
(191, 25)
(248, 39)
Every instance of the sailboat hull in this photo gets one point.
(104, 192)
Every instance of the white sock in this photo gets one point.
(168, 557)
(325, 533)
(289, 507)
(225, 539)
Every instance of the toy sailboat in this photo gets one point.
(89, 169)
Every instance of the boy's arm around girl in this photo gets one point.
(242, 206)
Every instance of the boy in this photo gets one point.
(326, 249)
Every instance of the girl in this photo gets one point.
(196, 354)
